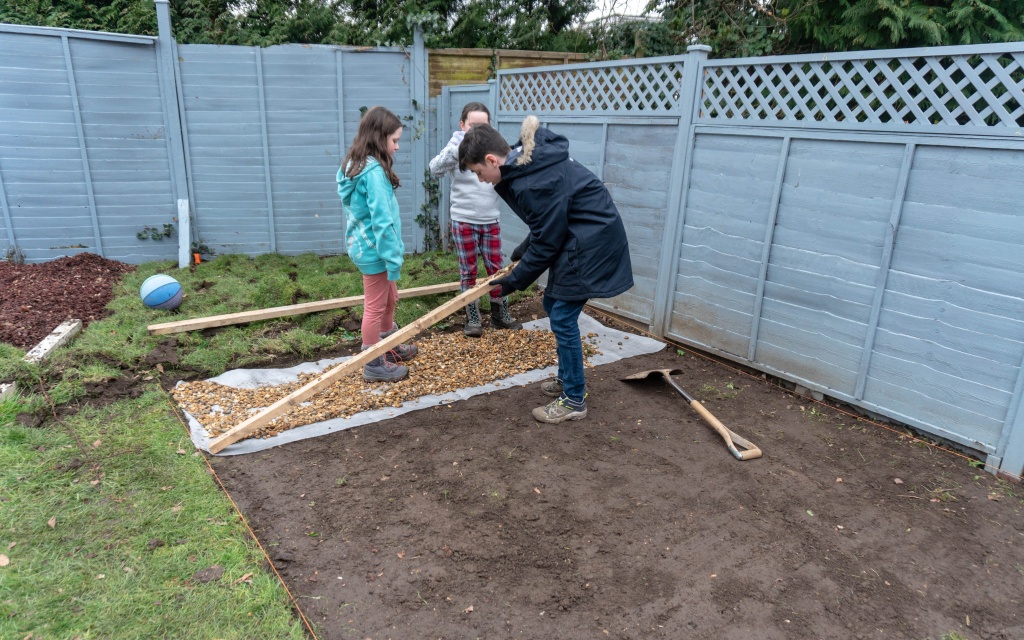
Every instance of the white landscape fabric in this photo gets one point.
(613, 344)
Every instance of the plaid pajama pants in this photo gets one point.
(471, 239)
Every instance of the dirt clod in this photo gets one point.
(209, 574)
(30, 420)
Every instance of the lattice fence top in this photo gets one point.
(959, 90)
(651, 88)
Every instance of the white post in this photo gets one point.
(165, 63)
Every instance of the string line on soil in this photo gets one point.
(241, 516)
(689, 350)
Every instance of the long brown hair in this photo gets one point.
(375, 127)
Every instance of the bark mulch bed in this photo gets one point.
(35, 298)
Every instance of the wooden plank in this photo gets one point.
(57, 338)
(353, 364)
(288, 310)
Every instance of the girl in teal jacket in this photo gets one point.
(366, 184)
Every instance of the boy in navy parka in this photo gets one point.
(576, 234)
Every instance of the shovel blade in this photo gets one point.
(644, 375)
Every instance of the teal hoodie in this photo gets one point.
(374, 231)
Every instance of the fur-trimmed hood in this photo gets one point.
(537, 149)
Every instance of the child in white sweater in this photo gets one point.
(475, 228)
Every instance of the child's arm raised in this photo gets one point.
(448, 159)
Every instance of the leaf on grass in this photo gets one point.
(11, 546)
(95, 445)
(176, 508)
(52, 522)
(4, 560)
(181, 452)
(159, 367)
(101, 576)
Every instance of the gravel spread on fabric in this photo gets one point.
(446, 362)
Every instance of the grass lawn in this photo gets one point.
(112, 524)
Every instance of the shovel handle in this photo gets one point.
(731, 438)
(727, 435)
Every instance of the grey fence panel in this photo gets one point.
(224, 140)
(636, 167)
(726, 216)
(950, 339)
(84, 158)
(266, 130)
(126, 140)
(825, 254)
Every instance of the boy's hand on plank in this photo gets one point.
(506, 286)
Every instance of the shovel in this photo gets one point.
(731, 438)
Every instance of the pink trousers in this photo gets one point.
(380, 296)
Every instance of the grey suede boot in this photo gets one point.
(380, 370)
(473, 328)
(500, 317)
(399, 353)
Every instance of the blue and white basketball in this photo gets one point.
(161, 292)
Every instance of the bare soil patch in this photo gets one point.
(473, 521)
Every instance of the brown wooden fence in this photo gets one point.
(471, 66)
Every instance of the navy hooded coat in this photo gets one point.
(575, 230)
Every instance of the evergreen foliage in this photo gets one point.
(733, 28)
